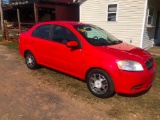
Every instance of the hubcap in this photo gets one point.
(98, 83)
(30, 60)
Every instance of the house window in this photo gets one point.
(150, 16)
(112, 12)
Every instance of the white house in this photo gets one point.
(133, 21)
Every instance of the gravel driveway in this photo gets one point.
(25, 97)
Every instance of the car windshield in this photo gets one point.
(96, 36)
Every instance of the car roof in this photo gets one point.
(72, 23)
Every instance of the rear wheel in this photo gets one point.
(30, 60)
(100, 83)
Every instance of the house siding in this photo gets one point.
(128, 26)
(148, 37)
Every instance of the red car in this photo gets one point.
(90, 53)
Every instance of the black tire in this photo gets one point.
(30, 61)
(100, 83)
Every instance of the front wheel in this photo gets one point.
(30, 61)
(100, 83)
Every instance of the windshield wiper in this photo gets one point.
(116, 42)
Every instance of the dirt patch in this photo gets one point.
(4, 42)
(154, 50)
(26, 97)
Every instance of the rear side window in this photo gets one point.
(42, 32)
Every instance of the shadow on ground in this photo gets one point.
(134, 95)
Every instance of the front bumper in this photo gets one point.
(134, 82)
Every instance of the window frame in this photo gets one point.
(107, 12)
(148, 15)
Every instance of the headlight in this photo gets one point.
(129, 65)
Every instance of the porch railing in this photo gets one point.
(12, 30)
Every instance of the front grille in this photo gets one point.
(149, 64)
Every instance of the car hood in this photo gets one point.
(126, 51)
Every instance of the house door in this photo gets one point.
(157, 30)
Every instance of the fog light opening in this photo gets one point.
(137, 87)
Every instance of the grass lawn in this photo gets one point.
(145, 106)
(0, 32)
(1, 39)
(12, 45)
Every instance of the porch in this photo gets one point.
(19, 16)
(151, 36)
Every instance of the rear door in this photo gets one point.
(41, 40)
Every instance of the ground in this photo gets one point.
(46, 94)
(26, 97)
(155, 50)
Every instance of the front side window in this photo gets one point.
(150, 16)
(62, 34)
(42, 32)
(96, 36)
(112, 12)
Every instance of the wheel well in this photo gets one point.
(26, 52)
(93, 69)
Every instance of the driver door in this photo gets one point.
(66, 59)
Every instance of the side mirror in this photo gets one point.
(72, 44)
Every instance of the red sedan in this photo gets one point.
(90, 53)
